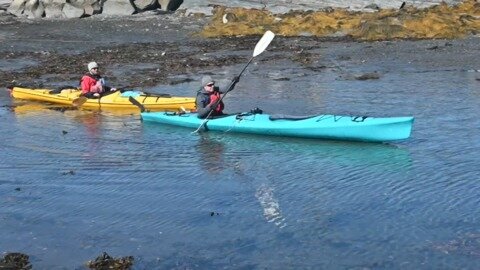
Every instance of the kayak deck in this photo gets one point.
(112, 100)
(335, 127)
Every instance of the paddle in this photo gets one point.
(136, 103)
(262, 44)
(79, 101)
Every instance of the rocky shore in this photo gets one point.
(148, 49)
(144, 51)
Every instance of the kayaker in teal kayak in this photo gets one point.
(207, 97)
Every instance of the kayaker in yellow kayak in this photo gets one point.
(92, 83)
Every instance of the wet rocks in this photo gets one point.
(17, 261)
(441, 21)
(368, 76)
(105, 261)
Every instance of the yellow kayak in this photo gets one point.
(110, 100)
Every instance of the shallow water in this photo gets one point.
(76, 183)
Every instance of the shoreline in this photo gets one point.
(167, 50)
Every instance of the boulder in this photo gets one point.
(53, 8)
(143, 5)
(4, 4)
(34, 9)
(170, 5)
(92, 7)
(16, 7)
(118, 7)
(72, 11)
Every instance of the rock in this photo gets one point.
(15, 260)
(16, 7)
(170, 5)
(53, 8)
(92, 7)
(34, 9)
(229, 17)
(143, 5)
(71, 11)
(373, 7)
(4, 4)
(118, 7)
(368, 76)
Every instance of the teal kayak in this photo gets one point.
(353, 128)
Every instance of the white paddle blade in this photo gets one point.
(263, 43)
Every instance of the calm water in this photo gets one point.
(76, 183)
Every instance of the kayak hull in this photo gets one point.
(317, 127)
(114, 100)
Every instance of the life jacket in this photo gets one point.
(214, 97)
(91, 83)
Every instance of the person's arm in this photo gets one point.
(85, 84)
(90, 85)
(203, 109)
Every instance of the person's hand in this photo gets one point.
(235, 80)
(96, 94)
(113, 89)
(213, 101)
(214, 98)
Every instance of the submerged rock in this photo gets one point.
(105, 261)
(17, 261)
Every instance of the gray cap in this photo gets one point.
(92, 65)
(207, 80)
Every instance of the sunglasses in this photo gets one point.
(210, 84)
(94, 68)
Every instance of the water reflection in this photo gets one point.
(211, 154)
(29, 107)
(274, 167)
(92, 123)
(309, 150)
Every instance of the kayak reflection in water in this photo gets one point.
(93, 85)
(211, 154)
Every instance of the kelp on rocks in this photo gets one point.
(441, 21)
(105, 261)
(15, 260)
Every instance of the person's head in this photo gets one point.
(93, 67)
(208, 83)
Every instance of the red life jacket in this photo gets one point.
(214, 97)
(89, 83)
